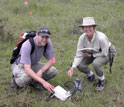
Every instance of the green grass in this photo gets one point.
(62, 17)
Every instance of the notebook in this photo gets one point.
(89, 50)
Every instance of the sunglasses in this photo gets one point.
(44, 31)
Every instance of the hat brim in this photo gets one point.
(44, 34)
(87, 25)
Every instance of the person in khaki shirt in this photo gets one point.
(91, 38)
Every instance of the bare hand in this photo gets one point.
(70, 72)
(48, 86)
(86, 54)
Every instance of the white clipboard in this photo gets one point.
(61, 93)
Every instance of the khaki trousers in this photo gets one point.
(97, 63)
(23, 79)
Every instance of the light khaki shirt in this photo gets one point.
(99, 41)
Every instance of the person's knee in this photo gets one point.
(98, 69)
(81, 67)
(51, 73)
(26, 79)
(23, 80)
(96, 65)
(54, 71)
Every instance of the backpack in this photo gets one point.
(23, 37)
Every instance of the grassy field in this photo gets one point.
(63, 18)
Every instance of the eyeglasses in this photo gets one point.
(44, 31)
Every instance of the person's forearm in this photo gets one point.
(77, 61)
(45, 67)
(32, 74)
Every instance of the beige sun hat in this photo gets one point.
(88, 21)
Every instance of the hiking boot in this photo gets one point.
(91, 78)
(14, 86)
(36, 86)
(100, 85)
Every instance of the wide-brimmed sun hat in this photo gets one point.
(88, 21)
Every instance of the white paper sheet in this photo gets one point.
(61, 93)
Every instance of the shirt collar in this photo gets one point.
(93, 37)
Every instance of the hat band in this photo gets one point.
(44, 31)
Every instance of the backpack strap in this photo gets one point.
(33, 45)
(31, 40)
(45, 47)
(111, 58)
